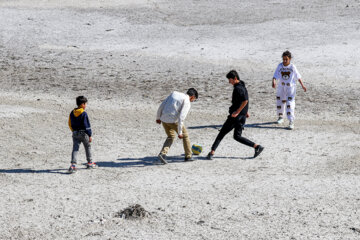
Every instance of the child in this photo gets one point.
(238, 112)
(79, 124)
(287, 74)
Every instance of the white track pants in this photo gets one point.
(285, 100)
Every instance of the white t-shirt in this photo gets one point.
(287, 74)
(174, 109)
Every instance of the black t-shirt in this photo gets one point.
(239, 95)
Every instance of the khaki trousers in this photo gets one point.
(171, 130)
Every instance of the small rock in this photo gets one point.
(133, 212)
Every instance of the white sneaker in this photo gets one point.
(291, 125)
(280, 120)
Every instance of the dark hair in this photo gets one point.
(232, 74)
(286, 54)
(80, 100)
(192, 92)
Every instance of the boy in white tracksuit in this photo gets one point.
(287, 74)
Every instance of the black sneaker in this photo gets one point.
(162, 158)
(72, 169)
(210, 156)
(190, 159)
(258, 150)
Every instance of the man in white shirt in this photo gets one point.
(172, 113)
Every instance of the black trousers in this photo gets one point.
(233, 123)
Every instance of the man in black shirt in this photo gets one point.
(238, 114)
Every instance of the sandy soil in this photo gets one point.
(126, 56)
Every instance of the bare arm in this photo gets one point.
(302, 85)
(276, 76)
(237, 112)
(274, 83)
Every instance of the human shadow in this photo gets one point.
(145, 161)
(153, 161)
(206, 126)
(266, 125)
(130, 162)
(236, 158)
(28, 170)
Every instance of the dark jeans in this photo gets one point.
(233, 123)
(78, 138)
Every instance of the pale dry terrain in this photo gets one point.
(126, 56)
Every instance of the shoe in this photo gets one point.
(258, 150)
(91, 165)
(190, 159)
(162, 158)
(280, 120)
(291, 125)
(72, 169)
(210, 156)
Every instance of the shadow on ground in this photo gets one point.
(153, 161)
(130, 162)
(28, 170)
(143, 162)
(265, 125)
(206, 126)
(122, 163)
(235, 158)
